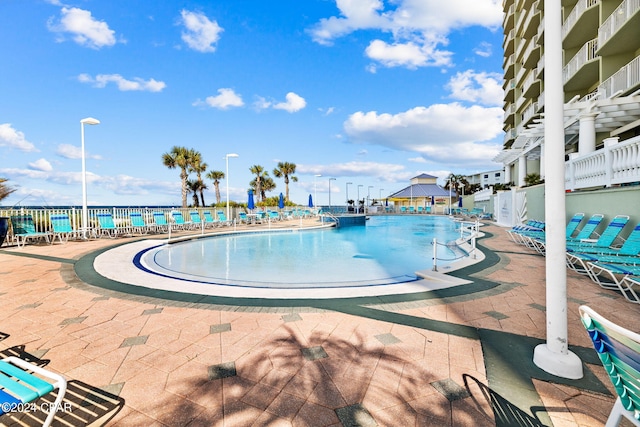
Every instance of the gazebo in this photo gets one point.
(422, 192)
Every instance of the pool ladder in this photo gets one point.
(333, 218)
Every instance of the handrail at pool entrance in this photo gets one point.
(333, 217)
(473, 228)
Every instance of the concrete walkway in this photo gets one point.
(456, 357)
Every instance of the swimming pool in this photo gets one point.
(388, 250)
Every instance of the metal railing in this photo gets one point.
(625, 79)
(587, 53)
(617, 20)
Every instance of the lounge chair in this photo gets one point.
(179, 222)
(243, 218)
(196, 221)
(21, 383)
(62, 228)
(428, 209)
(536, 240)
(24, 229)
(223, 218)
(208, 219)
(606, 239)
(620, 277)
(275, 216)
(588, 230)
(137, 223)
(628, 253)
(106, 226)
(403, 209)
(619, 351)
(160, 221)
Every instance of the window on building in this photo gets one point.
(497, 174)
(486, 176)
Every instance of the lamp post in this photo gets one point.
(330, 179)
(380, 196)
(227, 160)
(358, 201)
(315, 191)
(347, 192)
(85, 212)
(369, 194)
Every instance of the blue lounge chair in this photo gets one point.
(106, 226)
(21, 382)
(161, 224)
(428, 209)
(588, 230)
(619, 351)
(534, 238)
(275, 216)
(403, 209)
(25, 229)
(62, 228)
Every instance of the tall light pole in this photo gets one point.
(315, 191)
(358, 201)
(347, 192)
(85, 212)
(369, 194)
(227, 160)
(380, 195)
(330, 179)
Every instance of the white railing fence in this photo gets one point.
(616, 163)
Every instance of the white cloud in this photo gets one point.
(138, 84)
(261, 103)
(293, 103)
(10, 137)
(484, 49)
(417, 27)
(200, 34)
(383, 171)
(85, 30)
(442, 132)
(417, 160)
(484, 88)
(411, 55)
(41, 165)
(226, 98)
(69, 151)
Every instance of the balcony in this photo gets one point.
(582, 70)
(509, 116)
(528, 24)
(529, 113)
(583, 17)
(625, 80)
(509, 18)
(616, 163)
(509, 66)
(620, 32)
(509, 91)
(531, 87)
(532, 53)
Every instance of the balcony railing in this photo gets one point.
(575, 14)
(617, 19)
(616, 163)
(585, 54)
(625, 79)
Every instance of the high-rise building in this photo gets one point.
(601, 80)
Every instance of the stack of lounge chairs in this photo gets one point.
(611, 259)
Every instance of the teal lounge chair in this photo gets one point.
(24, 229)
(243, 218)
(62, 228)
(138, 225)
(22, 382)
(196, 221)
(106, 226)
(606, 239)
(179, 222)
(403, 209)
(161, 224)
(628, 253)
(275, 216)
(223, 218)
(619, 351)
(208, 219)
(588, 230)
(532, 238)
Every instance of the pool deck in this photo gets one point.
(440, 358)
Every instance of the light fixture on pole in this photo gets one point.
(348, 183)
(227, 176)
(358, 201)
(315, 191)
(330, 179)
(85, 212)
(369, 194)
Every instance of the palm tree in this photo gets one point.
(286, 170)
(268, 184)
(199, 167)
(216, 176)
(5, 190)
(179, 157)
(260, 174)
(194, 187)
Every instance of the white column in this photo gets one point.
(554, 357)
(542, 154)
(522, 170)
(587, 136)
(507, 174)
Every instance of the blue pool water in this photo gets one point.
(389, 249)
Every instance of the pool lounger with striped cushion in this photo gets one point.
(19, 385)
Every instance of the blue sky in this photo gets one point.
(371, 92)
